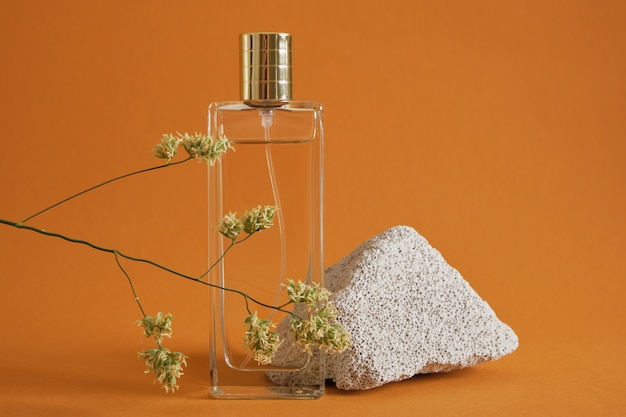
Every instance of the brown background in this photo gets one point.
(495, 128)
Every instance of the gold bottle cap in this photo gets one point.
(266, 66)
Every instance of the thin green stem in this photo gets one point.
(141, 171)
(141, 260)
(130, 282)
(214, 264)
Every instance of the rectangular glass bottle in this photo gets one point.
(277, 161)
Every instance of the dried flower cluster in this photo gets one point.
(203, 147)
(320, 329)
(168, 147)
(252, 221)
(165, 364)
(157, 326)
(260, 339)
(311, 295)
(199, 146)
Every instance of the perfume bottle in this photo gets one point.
(277, 160)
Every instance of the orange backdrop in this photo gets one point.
(495, 128)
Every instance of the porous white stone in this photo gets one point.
(408, 313)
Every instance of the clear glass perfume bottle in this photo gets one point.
(277, 160)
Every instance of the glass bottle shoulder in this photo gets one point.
(243, 122)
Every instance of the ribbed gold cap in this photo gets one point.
(266, 66)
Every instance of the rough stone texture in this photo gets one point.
(408, 312)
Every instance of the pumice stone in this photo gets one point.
(408, 312)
